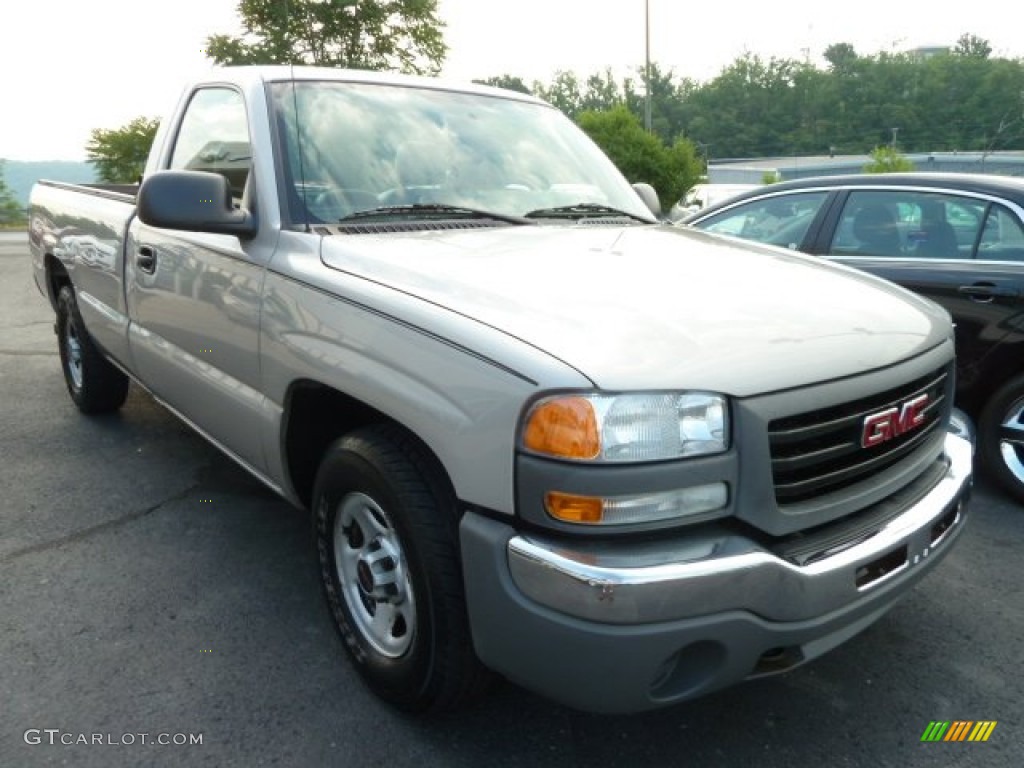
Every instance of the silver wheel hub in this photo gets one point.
(373, 575)
(73, 345)
(1011, 439)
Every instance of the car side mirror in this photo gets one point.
(194, 201)
(648, 194)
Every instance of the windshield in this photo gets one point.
(353, 147)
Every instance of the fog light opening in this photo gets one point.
(688, 670)
(778, 660)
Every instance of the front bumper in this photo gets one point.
(616, 627)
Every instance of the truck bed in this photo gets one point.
(117, 191)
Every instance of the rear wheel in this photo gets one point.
(95, 385)
(386, 532)
(1001, 437)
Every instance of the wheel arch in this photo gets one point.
(56, 278)
(315, 415)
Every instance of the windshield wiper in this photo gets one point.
(583, 210)
(433, 209)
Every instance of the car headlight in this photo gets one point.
(627, 428)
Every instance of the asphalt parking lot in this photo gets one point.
(149, 586)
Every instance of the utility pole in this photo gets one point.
(895, 132)
(647, 65)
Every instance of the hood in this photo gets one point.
(656, 307)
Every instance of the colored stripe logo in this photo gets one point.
(959, 730)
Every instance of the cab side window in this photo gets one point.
(778, 220)
(214, 136)
(874, 224)
(1003, 237)
(907, 223)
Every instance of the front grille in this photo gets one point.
(820, 452)
(814, 544)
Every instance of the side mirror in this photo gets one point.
(649, 196)
(195, 201)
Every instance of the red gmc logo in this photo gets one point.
(892, 422)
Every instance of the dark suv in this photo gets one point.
(956, 238)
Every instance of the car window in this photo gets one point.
(214, 136)
(777, 220)
(907, 223)
(1003, 236)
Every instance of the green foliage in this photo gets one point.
(601, 92)
(565, 93)
(755, 107)
(972, 45)
(642, 156)
(11, 213)
(841, 57)
(119, 155)
(769, 177)
(403, 35)
(887, 160)
(508, 82)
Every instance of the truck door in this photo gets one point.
(194, 299)
(956, 249)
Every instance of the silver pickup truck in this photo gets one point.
(539, 433)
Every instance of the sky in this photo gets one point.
(70, 66)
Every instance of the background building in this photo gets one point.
(759, 170)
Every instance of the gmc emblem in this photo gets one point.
(892, 422)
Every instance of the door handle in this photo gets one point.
(985, 292)
(145, 259)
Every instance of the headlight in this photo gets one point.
(628, 428)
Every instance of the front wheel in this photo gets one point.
(385, 524)
(95, 385)
(1001, 437)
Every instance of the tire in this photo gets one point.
(385, 524)
(94, 384)
(1001, 437)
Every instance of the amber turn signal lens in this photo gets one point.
(574, 509)
(565, 427)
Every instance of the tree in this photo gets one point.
(119, 155)
(642, 156)
(887, 160)
(972, 45)
(10, 210)
(966, 100)
(404, 35)
(508, 82)
(564, 92)
(840, 57)
(668, 100)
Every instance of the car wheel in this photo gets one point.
(386, 532)
(95, 385)
(1001, 437)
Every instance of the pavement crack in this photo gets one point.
(28, 325)
(85, 533)
(27, 353)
